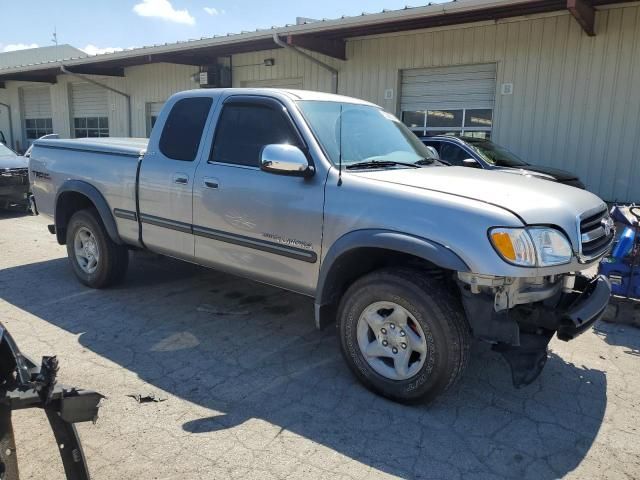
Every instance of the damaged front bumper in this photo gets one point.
(520, 318)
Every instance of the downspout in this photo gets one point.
(107, 87)
(321, 64)
(8, 107)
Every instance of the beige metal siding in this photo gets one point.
(276, 83)
(249, 67)
(155, 84)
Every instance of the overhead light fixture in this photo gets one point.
(269, 62)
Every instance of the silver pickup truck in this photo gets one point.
(334, 198)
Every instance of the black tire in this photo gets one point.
(113, 260)
(441, 317)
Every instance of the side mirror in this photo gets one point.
(434, 153)
(471, 162)
(285, 160)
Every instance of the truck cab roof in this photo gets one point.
(292, 94)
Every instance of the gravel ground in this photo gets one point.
(252, 390)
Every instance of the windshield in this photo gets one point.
(495, 154)
(362, 133)
(6, 151)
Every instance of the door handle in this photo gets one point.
(210, 182)
(181, 179)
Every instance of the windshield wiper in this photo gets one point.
(379, 164)
(424, 161)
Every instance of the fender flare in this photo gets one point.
(434, 252)
(98, 200)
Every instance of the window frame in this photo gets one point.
(260, 101)
(39, 132)
(86, 128)
(426, 131)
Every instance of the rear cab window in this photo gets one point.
(183, 129)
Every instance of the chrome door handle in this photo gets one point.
(180, 179)
(210, 182)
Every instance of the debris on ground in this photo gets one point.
(149, 398)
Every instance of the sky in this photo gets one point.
(99, 26)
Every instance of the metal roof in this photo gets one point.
(326, 36)
(19, 58)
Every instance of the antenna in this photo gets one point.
(54, 39)
(340, 149)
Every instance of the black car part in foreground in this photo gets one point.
(25, 385)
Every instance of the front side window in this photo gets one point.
(91, 127)
(244, 129)
(361, 133)
(183, 129)
(37, 127)
(453, 154)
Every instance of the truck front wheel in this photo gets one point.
(403, 334)
(97, 261)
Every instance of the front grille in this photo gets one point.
(14, 176)
(596, 234)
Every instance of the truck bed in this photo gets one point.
(107, 164)
(113, 145)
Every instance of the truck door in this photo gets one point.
(167, 178)
(249, 221)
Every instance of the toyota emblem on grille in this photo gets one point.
(607, 225)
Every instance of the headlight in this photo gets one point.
(531, 247)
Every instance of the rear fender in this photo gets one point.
(65, 208)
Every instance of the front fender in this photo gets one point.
(333, 268)
(61, 211)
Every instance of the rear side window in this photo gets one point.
(183, 129)
(244, 129)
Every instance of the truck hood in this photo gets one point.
(534, 200)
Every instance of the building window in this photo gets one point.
(37, 127)
(91, 127)
(471, 122)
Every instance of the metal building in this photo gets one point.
(556, 81)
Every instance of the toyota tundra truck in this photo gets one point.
(334, 198)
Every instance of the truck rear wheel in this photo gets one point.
(97, 261)
(403, 334)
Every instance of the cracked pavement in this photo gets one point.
(254, 391)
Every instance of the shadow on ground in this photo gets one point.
(251, 351)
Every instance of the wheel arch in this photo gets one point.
(362, 251)
(75, 195)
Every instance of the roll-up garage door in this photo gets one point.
(295, 83)
(458, 99)
(90, 110)
(36, 107)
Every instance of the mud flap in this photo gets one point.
(527, 360)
